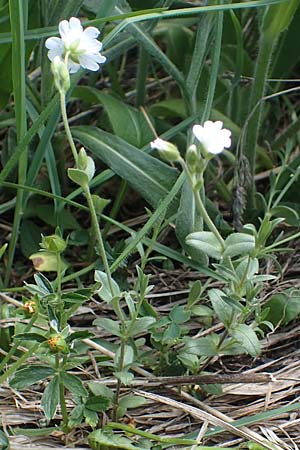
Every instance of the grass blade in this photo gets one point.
(17, 19)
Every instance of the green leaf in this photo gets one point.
(132, 401)
(128, 356)
(30, 337)
(98, 403)
(245, 336)
(207, 242)
(125, 377)
(194, 293)
(223, 310)
(30, 375)
(91, 417)
(149, 176)
(50, 398)
(179, 315)
(73, 384)
(238, 244)
(100, 389)
(189, 221)
(127, 122)
(141, 325)
(30, 237)
(290, 215)
(104, 292)
(109, 325)
(100, 440)
(78, 176)
(283, 307)
(278, 17)
(205, 346)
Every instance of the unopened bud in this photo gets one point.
(192, 157)
(53, 243)
(167, 150)
(58, 344)
(61, 74)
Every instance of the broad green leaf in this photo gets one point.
(284, 307)
(109, 325)
(99, 439)
(131, 401)
(30, 337)
(179, 314)
(30, 237)
(289, 214)
(207, 242)
(141, 325)
(74, 384)
(91, 417)
(205, 346)
(239, 244)
(50, 398)
(125, 377)
(100, 389)
(194, 293)
(128, 356)
(30, 375)
(224, 311)
(149, 176)
(104, 291)
(98, 403)
(127, 122)
(246, 337)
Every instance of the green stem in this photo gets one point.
(66, 125)
(58, 288)
(62, 399)
(18, 363)
(200, 206)
(95, 225)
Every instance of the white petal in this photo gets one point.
(88, 62)
(64, 29)
(91, 32)
(99, 58)
(198, 132)
(73, 67)
(55, 53)
(75, 25)
(218, 125)
(54, 42)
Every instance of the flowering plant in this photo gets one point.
(212, 136)
(78, 47)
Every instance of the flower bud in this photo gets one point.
(58, 344)
(61, 74)
(192, 157)
(167, 150)
(53, 243)
(30, 306)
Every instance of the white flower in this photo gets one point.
(82, 46)
(212, 137)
